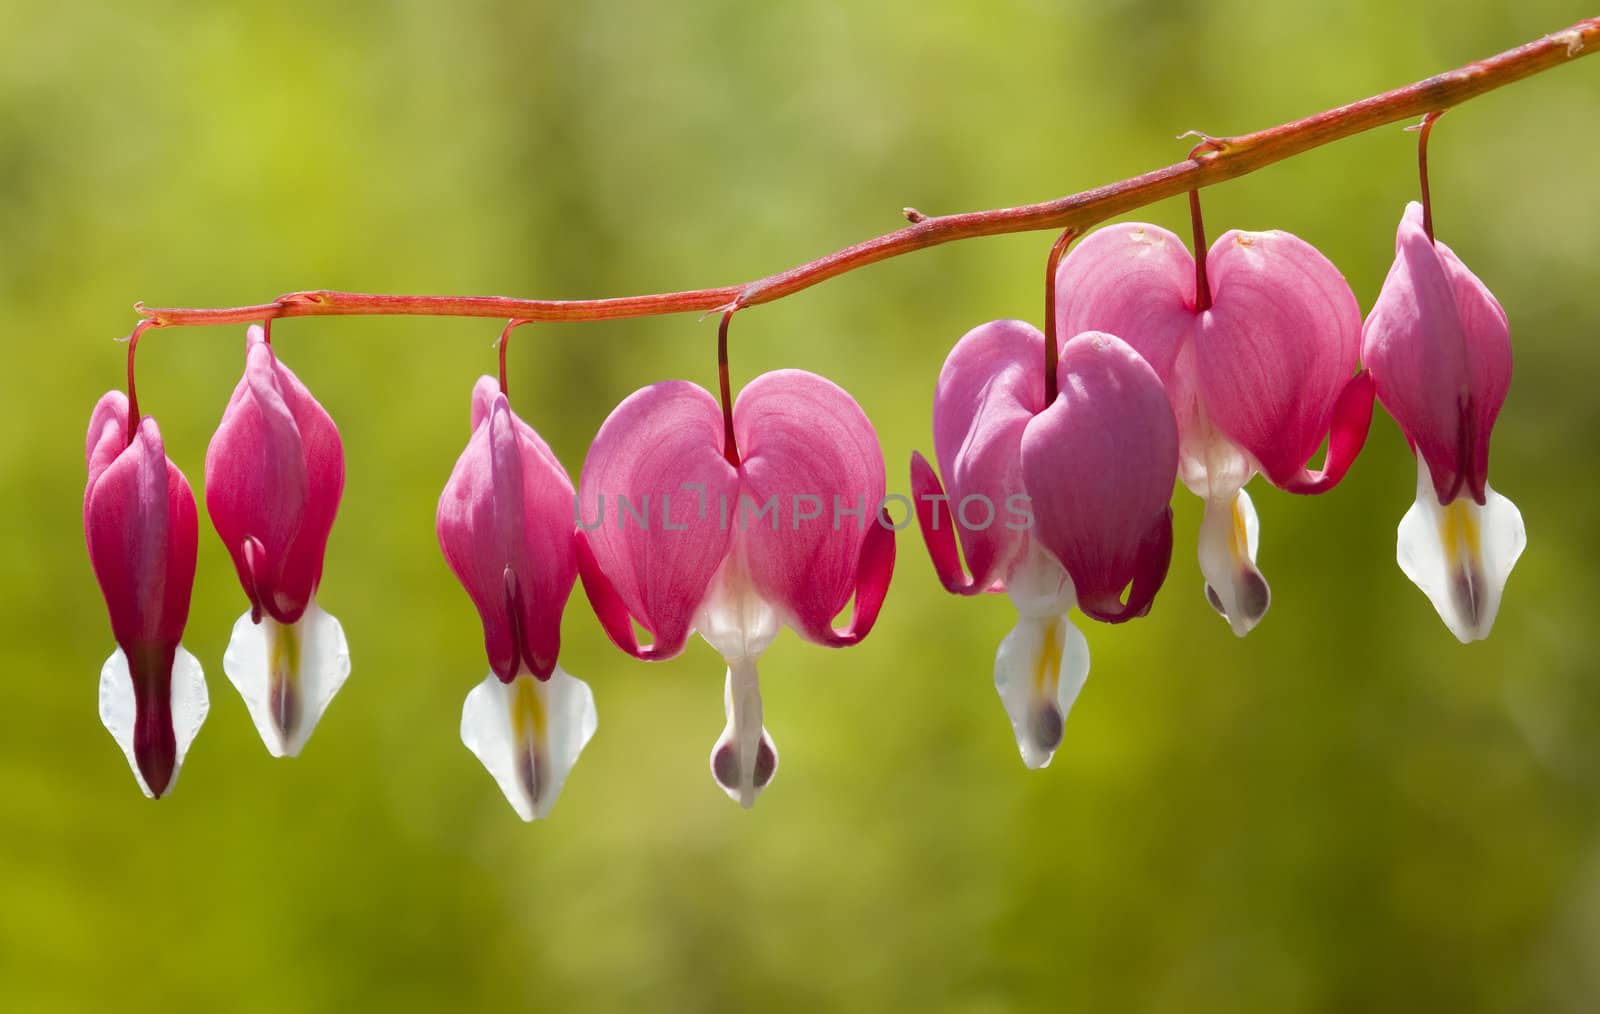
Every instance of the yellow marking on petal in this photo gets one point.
(283, 661)
(1047, 670)
(1458, 530)
(1239, 540)
(527, 710)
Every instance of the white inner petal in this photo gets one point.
(287, 675)
(1039, 670)
(740, 625)
(1040, 588)
(1460, 554)
(1211, 465)
(528, 734)
(734, 619)
(118, 710)
(1230, 534)
(744, 758)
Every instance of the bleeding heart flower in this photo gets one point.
(1438, 346)
(139, 522)
(696, 537)
(274, 475)
(1258, 379)
(505, 525)
(1085, 482)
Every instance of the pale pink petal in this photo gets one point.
(484, 394)
(1277, 347)
(1132, 280)
(991, 385)
(1099, 465)
(810, 461)
(657, 501)
(108, 434)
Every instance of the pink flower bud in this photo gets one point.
(505, 526)
(139, 522)
(1438, 346)
(274, 476)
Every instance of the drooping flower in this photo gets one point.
(1258, 379)
(681, 533)
(1439, 348)
(274, 476)
(140, 524)
(1058, 505)
(505, 525)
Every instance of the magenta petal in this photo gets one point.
(873, 573)
(1152, 560)
(1135, 281)
(1277, 347)
(990, 386)
(1439, 348)
(505, 525)
(810, 451)
(1099, 465)
(1352, 419)
(652, 497)
(611, 611)
(938, 528)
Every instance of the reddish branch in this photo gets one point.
(1218, 160)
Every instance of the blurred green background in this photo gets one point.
(1347, 810)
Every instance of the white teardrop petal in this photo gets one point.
(1460, 554)
(744, 758)
(287, 675)
(1039, 670)
(118, 709)
(1230, 534)
(528, 734)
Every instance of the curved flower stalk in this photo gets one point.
(1438, 346)
(140, 525)
(274, 476)
(505, 525)
(1259, 373)
(1085, 483)
(681, 531)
